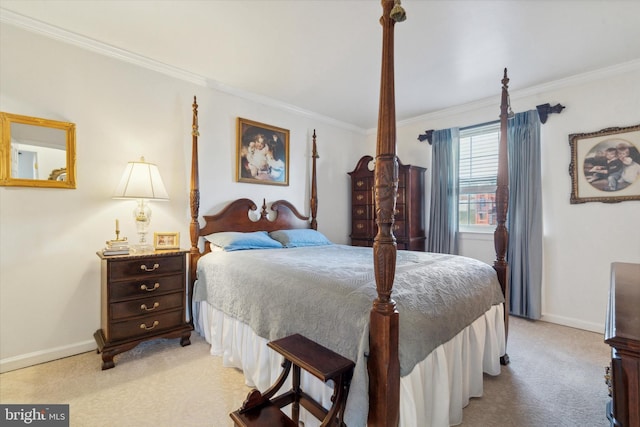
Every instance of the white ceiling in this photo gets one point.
(323, 56)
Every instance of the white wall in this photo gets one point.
(580, 241)
(49, 272)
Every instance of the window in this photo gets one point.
(478, 171)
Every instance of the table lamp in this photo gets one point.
(141, 181)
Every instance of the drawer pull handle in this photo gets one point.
(360, 211)
(148, 328)
(359, 197)
(359, 226)
(145, 268)
(146, 288)
(145, 308)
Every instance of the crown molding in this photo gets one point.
(56, 33)
(86, 43)
(576, 80)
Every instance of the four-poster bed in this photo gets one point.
(233, 332)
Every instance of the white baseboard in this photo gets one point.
(573, 323)
(30, 359)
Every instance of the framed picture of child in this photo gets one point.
(605, 165)
(262, 153)
(163, 240)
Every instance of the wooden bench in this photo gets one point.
(264, 409)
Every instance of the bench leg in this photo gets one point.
(335, 416)
(295, 407)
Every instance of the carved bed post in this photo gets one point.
(383, 363)
(194, 196)
(314, 190)
(501, 235)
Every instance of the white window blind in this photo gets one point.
(478, 171)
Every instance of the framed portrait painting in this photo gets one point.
(262, 155)
(605, 165)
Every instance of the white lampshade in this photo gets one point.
(141, 180)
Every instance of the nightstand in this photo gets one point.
(144, 297)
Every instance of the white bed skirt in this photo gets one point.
(432, 395)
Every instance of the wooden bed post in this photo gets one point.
(501, 235)
(314, 190)
(194, 196)
(383, 363)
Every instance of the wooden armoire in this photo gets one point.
(409, 227)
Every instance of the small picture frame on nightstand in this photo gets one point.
(162, 241)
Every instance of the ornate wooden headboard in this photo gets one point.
(240, 215)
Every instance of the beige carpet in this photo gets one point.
(555, 379)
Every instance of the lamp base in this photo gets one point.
(142, 216)
(142, 248)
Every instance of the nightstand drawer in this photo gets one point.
(146, 266)
(144, 306)
(146, 288)
(146, 325)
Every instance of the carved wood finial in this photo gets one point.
(314, 152)
(194, 126)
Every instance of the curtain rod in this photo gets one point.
(543, 112)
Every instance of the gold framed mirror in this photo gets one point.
(37, 152)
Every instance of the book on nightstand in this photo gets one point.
(108, 252)
(116, 247)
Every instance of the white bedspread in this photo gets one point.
(432, 395)
(330, 293)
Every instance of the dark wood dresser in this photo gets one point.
(622, 333)
(143, 297)
(409, 227)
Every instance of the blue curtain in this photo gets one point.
(524, 218)
(443, 220)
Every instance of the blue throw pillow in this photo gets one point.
(236, 241)
(297, 238)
